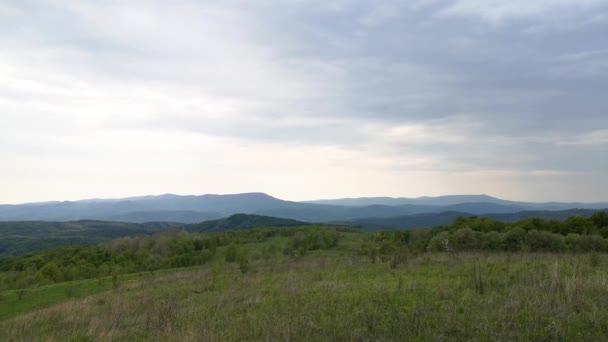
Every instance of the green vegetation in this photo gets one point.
(243, 222)
(166, 250)
(19, 238)
(475, 279)
(14, 302)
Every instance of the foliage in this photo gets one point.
(19, 238)
(170, 249)
(231, 253)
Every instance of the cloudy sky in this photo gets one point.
(304, 99)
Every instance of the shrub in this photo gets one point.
(493, 241)
(231, 253)
(369, 248)
(544, 241)
(51, 272)
(514, 239)
(440, 243)
(464, 239)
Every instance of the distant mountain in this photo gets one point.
(430, 201)
(425, 220)
(181, 216)
(467, 203)
(242, 222)
(194, 209)
(479, 208)
(327, 213)
(428, 220)
(549, 215)
(139, 209)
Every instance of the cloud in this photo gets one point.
(362, 90)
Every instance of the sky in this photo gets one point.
(304, 99)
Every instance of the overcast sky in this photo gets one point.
(304, 99)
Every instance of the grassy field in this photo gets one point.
(332, 295)
(15, 302)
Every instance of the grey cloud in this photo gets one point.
(517, 86)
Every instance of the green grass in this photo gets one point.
(15, 302)
(337, 295)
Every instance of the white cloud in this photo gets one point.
(122, 98)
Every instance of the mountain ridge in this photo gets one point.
(198, 208)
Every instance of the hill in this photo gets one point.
(23, 237)
(138, 209)
(181, 216)
(396, 201)
(443, 203)
(242, 222)
(444, 218)
(194, 209)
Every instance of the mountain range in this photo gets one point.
(195, 209)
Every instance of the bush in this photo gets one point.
(231, 253)
(441, 242)
(464, 239)
(573, 242)
(493, 241)
(514, 239)
(544, 241)
(51, 272)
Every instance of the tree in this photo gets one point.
(514, 239)
(493, 241)
(441, 242)
(600, 219)
(464, 239)
(545, 241)
(578, 225)
(51, 272)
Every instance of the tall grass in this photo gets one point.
(330, 295)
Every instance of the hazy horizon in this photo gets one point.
(290, 199)
(304, 100)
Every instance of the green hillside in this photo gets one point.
(241, 222)
(18, 238)
(475, 279)
(22, 237)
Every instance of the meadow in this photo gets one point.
(324, 284)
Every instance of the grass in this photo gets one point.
(15, 302)
(335, 295)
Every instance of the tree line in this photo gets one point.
(576, 234)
